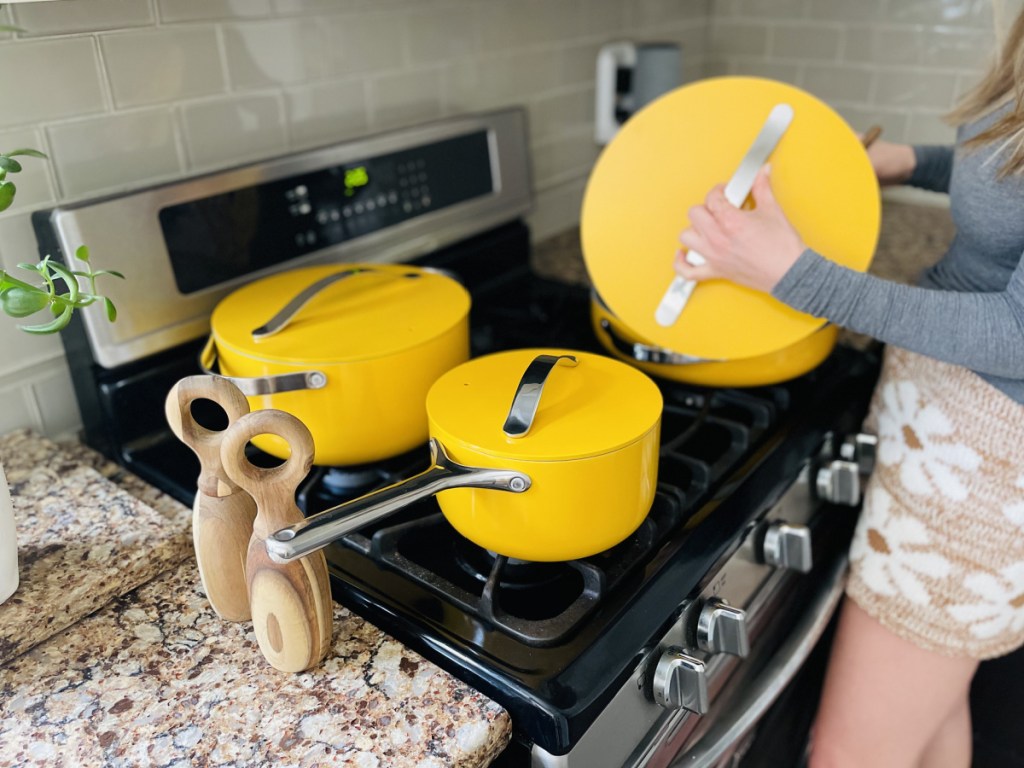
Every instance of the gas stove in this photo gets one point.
(650, 650)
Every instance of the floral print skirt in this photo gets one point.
(938, 554)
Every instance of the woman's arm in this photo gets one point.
(980, 331)
(932, 169)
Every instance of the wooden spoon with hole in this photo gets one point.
(291, 602)
(223, 514)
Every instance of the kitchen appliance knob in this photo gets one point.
(839, 483)
(788, 546)
(680, 682)
(721, 628)
(861, 448)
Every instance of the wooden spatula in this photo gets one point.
(223, 514)
(291, 602)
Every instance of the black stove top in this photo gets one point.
(550, 642)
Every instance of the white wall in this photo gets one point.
(125, 93)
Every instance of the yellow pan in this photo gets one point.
(665, 160)
(780, 365)
(349, 349)
(539, 454)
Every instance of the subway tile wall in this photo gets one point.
(127, 93)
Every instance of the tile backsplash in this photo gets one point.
(127, 93)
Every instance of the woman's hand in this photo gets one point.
(753, 248)
(893, 163)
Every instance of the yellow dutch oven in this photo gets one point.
(538, 455)
(350, 350)
(664, 161)
(760, 370)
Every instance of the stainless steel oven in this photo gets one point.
(668, 649)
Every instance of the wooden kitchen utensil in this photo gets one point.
(223, 514)
(291, 602)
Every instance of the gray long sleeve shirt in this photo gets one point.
(967, 309)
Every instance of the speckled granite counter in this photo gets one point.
(151, 675)
(156, 678)
(83, 539)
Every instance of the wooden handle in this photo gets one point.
(205, 443)
(221, 529)
(291, 602)
(223, 514)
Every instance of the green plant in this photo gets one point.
(60, 292)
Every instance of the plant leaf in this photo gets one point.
(20, 302)
(9, 28)
(113, 272)
(26, 153)
(58, 323)
(7, 190)
(82, 252)
(111, 309)
(9, 164)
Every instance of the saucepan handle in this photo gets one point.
(261, 385)
(318, 531)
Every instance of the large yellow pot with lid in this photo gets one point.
(349, 349)
(539, 454)
(664, 161)
(761, 370)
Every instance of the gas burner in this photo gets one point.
(326, 487)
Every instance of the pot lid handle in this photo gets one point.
(527, 397)
(292, 308)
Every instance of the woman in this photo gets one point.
(937, 561)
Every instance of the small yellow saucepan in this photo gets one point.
(349, 349)
(539, 455)
(781, 365)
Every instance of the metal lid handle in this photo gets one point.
(292, 308)
(527, 398)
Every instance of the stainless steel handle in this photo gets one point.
(731, 725)
(262, 385)
(645, 353)
(288, 312)
(736, 191)
(318, 531)
(527, 398)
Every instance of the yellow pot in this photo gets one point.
(781, 365)
(569, 470)
(349, 349)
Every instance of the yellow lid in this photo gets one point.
(667, 158)
(370, 311)
(592, 408)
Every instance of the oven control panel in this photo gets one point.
(220, 237)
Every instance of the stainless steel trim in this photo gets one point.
(645, 353)
(319, 530)
(531, 387)
(730, 726)
(153, 315)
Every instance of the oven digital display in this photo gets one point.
(225, 236)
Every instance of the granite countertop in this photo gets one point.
(98, 670)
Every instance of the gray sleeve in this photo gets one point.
(980, 331)
(933, 167)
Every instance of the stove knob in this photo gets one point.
(680, 682)
(722, 629)
(839, 483)
(861, 448)
(788, 546)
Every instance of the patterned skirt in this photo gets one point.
(938, 554)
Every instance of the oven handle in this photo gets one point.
(763, 691)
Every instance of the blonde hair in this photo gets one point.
(1003, 82)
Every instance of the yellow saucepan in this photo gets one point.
(349, 349)
(665, 160)
(538, 455)
(781, 365)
